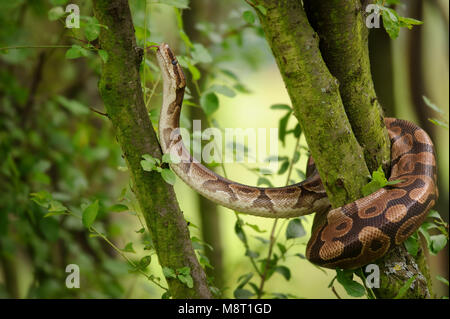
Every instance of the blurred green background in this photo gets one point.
(51, 140)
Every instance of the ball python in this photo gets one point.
(346, 237)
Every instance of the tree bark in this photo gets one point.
(121, 91)
(344, 47)
(316, 100)
(317, 103)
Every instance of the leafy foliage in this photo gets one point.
(61, 169)
(392, 22)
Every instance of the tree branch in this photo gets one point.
(316, 100)
(344, 47)
(317, 103)
(121, 91)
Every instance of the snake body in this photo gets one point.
(346, 237)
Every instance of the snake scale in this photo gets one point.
(346, 237)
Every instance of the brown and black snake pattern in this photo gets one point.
(346, 237)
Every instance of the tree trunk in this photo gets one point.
(344, 47)
(121, 91)
(322, 104)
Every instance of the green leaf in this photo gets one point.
(263, 181)
(434, 214)
(73, 106)
(185, 38)
(103, 55)
(378, 181)
(42, 198)
(402, 291)
(371, 187)
(240, 232)
(117, 208)
(204, 261)
(438, 243)
(295, 229)
(438, 123)
(57, 207)
(168, 176)
(166, 158)
(168, 272)
(187, 280)
(75, 52)
(55, 13)
(390, 22)
(230, 74)
(222, 89)
(209, 103)
(353, 288)
(262, 239)
(282, 127)
(89, 214)
(378, 176)
(200, 54)
(166, 295)
(129, 248)
(284, 167)
(412, 245)
(255, 228)
(284, 271)
(54, 214)
(145, 261)
(408, 22)
(281, 107)
(181, 4)
(282, 248)
(195, 72)
(148, 163)
(248, 17)
(442, 279)
(92, 29)
(251, 253)
(297, 130)
(241, 88)
(244, 279)
(300, 174)
(243, 294)
(262, 9)
(431, 105)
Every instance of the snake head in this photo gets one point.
(170, 66)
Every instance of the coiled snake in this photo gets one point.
(346, 237)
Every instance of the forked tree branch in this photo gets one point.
(326, 108)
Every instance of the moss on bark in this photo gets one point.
(316, 100)
(344, 47)
(317, 103)
(120, 89)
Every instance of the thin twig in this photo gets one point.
(153, 91)
(120, 252)
(98, 112)
(335, 292)
(250, 3)
(269, 256)
(272, 237)
(35, 47)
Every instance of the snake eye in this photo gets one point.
(174, 62)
